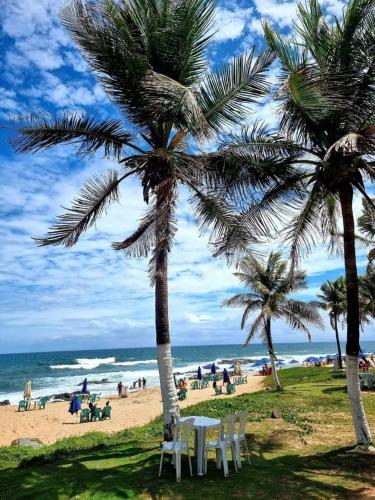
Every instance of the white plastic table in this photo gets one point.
(201, 424)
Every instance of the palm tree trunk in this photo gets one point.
(272, 356)
(361, 427)
(338, 341)
(164, 353)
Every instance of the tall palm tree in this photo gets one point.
(150, 58)
(333, 300)
(269, 286)
(326, 137)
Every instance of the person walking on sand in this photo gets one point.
(119, 389)
(144, 383)
(139, 383)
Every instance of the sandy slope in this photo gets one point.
(139, 408)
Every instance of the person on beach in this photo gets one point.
(139, 383)
(144, 383)
(92, 410)
(119, 389)
(225, 377)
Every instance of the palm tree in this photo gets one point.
(269, 287)
(149, 56)
(325, 138)
(333, 300)
(366, 223)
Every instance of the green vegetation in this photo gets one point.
(304, 453)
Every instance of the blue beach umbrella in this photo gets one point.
(84, 387)
(311, 359)
(293, 361)
(260, 362)
(199, 376)
(75, 405)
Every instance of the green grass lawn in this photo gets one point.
(306, 453)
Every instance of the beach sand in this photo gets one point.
(139, 408)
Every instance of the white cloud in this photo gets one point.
(230, 24)
(198, 318)
(277, 11)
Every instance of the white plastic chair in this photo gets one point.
(224, 441)
(240, 437)
(179, 445)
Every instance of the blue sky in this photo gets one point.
(91, 296)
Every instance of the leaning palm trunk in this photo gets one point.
(271, 352)
(338, 342)
(361, 427)
(275, 376)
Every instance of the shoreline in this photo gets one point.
(139, 408)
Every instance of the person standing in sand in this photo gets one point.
(27, 391)
(144, 383)
(119, 389)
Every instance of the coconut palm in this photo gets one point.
(326, 93)
(149, 56)
(268, 287)
(366, 223)
(333, 300)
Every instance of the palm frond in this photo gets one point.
(225, 95)
(256, 327)
(87, 207)
(174, 102)
(37, 132)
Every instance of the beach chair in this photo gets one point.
(96, 415)
(106, 412)
(42, 403)
(85, 415)
(195, 384)
(231, 388)
(182, 394)
(240, 437)
(79, 398)
(224, 441)
(24, 405)
(178, 446)
(204, 384)
(244, 379)
(218, 391)
(92, 398)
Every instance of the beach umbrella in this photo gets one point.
(27, 391)
(213, 368)
(199, 376)
(260, 362)
(293, 361)
(84, 387)
(263, 360)
(311, 359)
(75, 405)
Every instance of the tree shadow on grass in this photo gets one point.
(131, 471)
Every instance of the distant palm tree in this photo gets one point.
(333, 300)
(366, 223)
(269, 287)
(367, 294)
(325, 145)
(150, 57)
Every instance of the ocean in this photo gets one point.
(64, 371)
